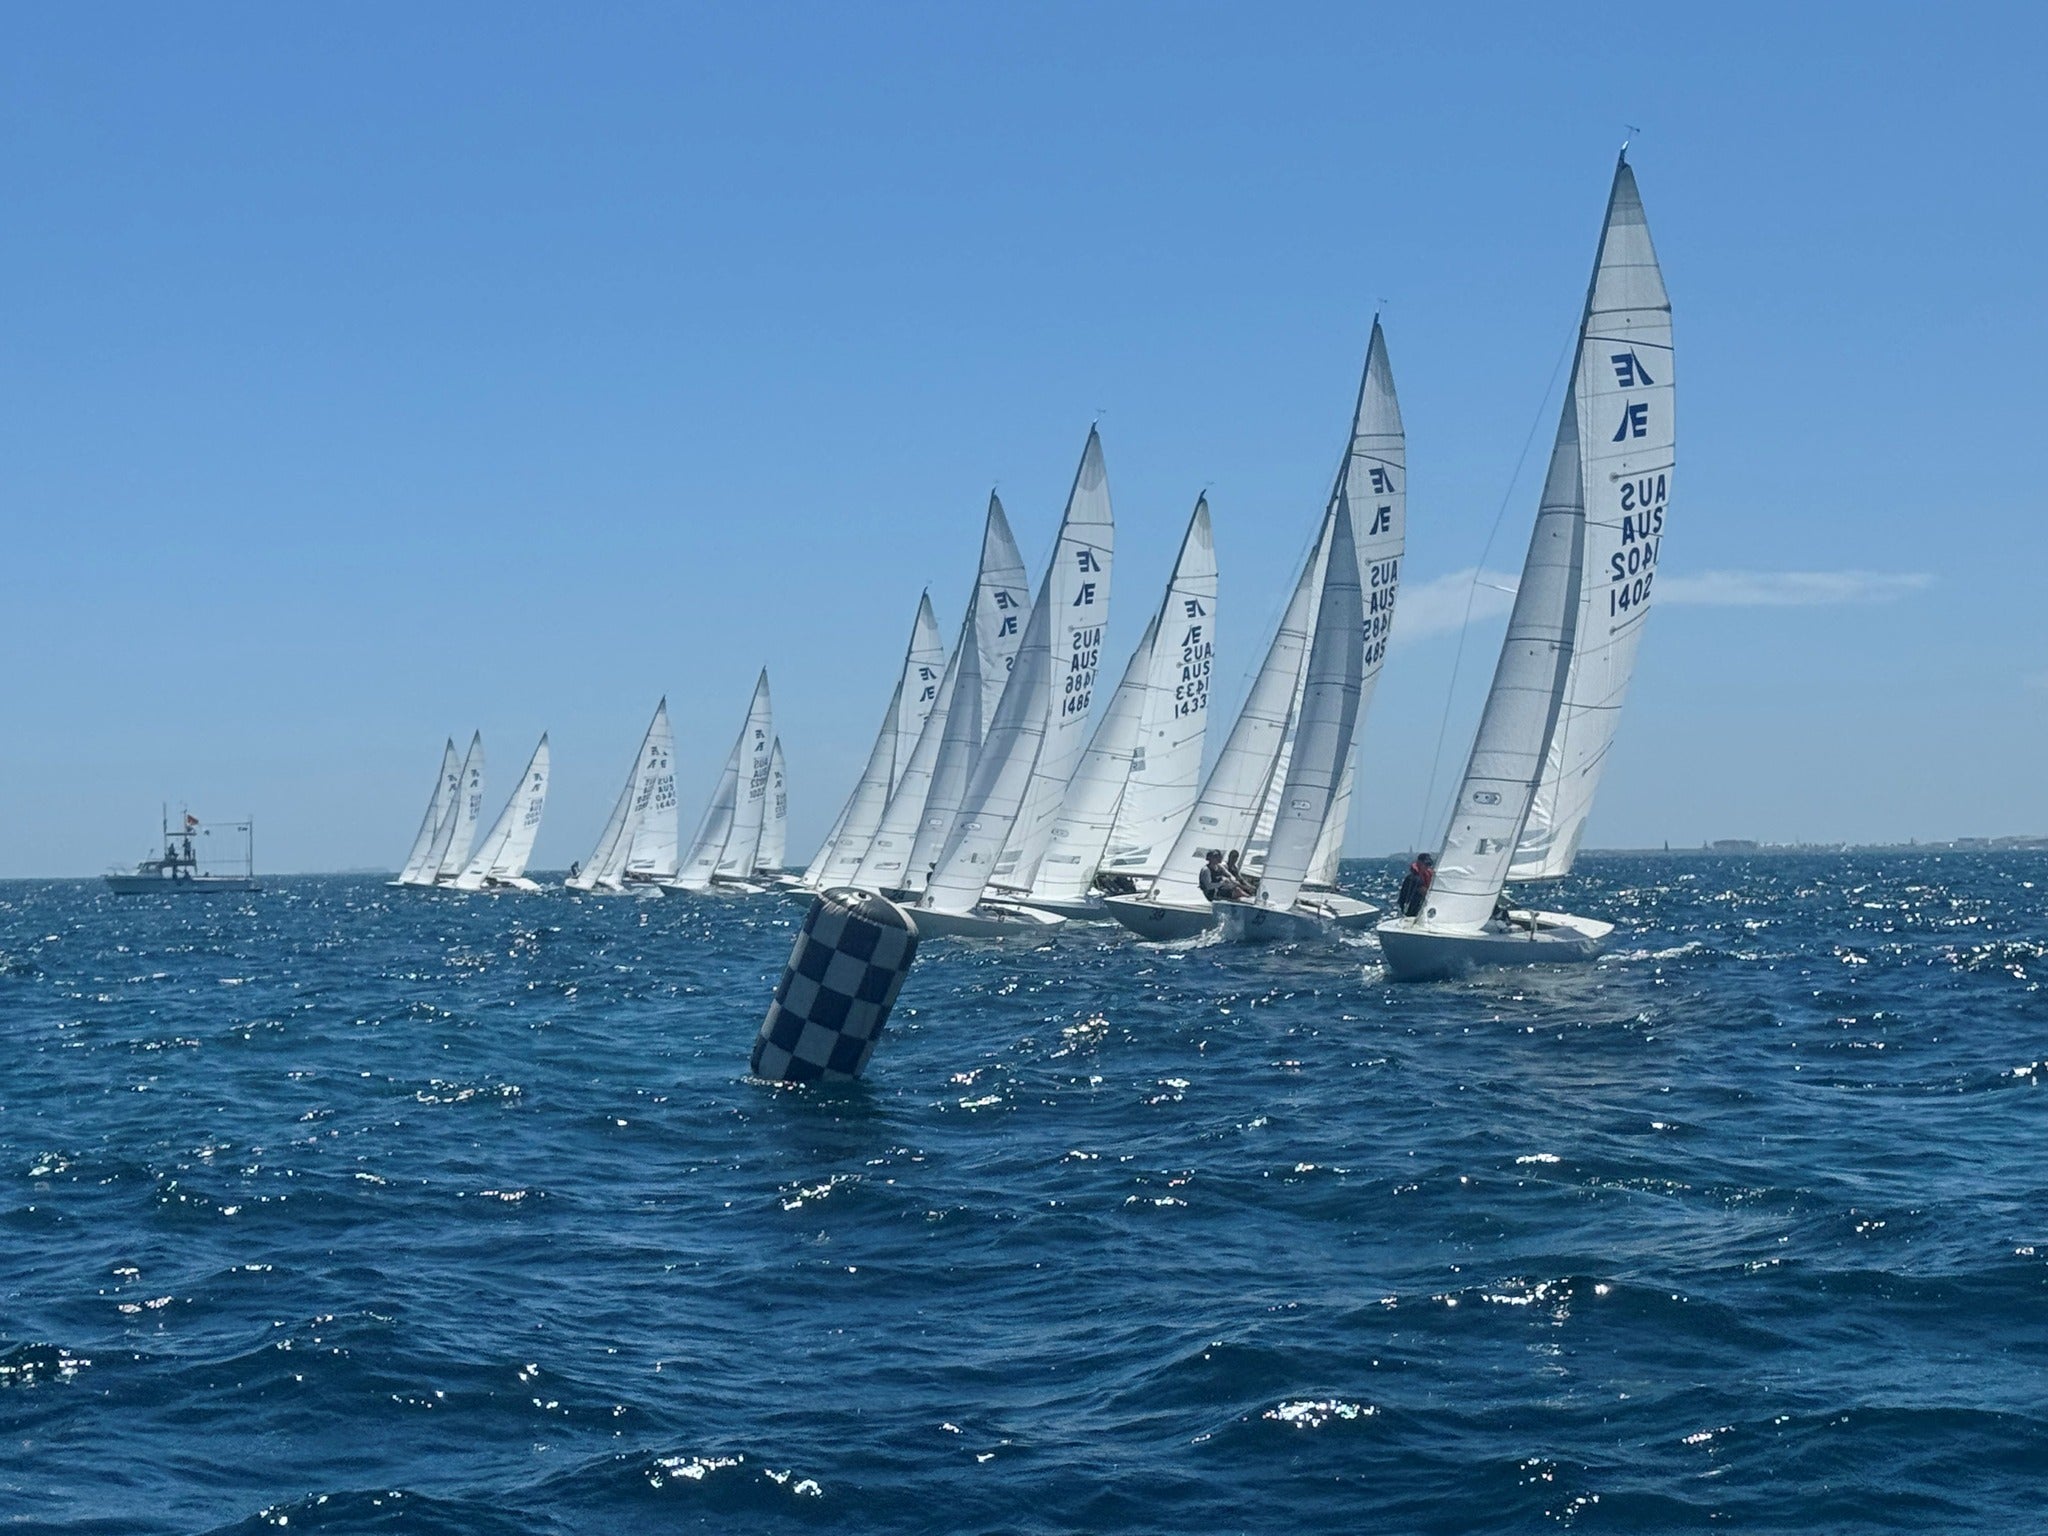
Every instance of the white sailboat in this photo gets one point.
(500, 859)
(1079, 580)
(1035, 714)
(721, 854)
(1564, 667)
(920, 814)
(420, 865)
(1241, 801)
(910, 705)
(605, 869)
(1324, 732)
(651, 850)
(452, 844)
(774, 846)
(1136, 782)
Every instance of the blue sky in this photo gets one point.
(377, 373)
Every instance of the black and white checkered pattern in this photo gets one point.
(843, 975)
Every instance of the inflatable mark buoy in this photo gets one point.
(843, 975)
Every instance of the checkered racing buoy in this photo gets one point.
(843, 975)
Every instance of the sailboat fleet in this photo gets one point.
(997, 800)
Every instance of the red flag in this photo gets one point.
(191, 821)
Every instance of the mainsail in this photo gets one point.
(1326, 724)
(651, 851)
(606, 867)
(905, 843)
(1627, 436)
(730, 833)
(1002, 772)
(774, 846)
(501, 857)
(1166, 763)
(1549, 718)
(916, 692)
(420, 864)
(453, 843)
(1081, 831)
(958, 748)
(750, 810)
(1078, 584)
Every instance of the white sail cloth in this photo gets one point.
(607, 865)
(453, 843)
(1551, 714)
(1166, 760)
(727, 833)
(910, 705)
(500, 858)
(1325, 726)
(420, 865)
(901, 850)
(774, 846)
(1088, 814)
(1077, 589)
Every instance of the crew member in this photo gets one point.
(1216, 881)
(1415, 887)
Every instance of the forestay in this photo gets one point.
(1627, 434)
(1078, 584)
(1166, 762)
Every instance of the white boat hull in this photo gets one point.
(1158, 921)
(1315, 915)
(990, 920)
(1085, 909)
(1417, 953)
(193, 885)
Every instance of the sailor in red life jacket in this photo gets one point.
(1415, 888)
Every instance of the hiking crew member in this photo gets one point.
(1216, 881)
(1415, 887)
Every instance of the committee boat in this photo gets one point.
(193, 862)
(1565, 665)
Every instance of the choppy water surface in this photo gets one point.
(344, 1208)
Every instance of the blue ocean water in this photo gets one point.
(342, 1208)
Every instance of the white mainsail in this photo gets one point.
(908, 838)
(707, 844)
(1078, 581)
(774, 846)
(1002, 772)
(420, 864)
(1627, 437)
(1002, 598)
(458, 836)
(501, 857)
(1231, 797)
(651, 850)
(1586, 581)
(915, 696)
(1081, 831)
(959, 746)
(1166, 765)
(1325, 725)
(606, 867)
(750, 808)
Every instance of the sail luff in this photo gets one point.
(750, 808)
(775, 824)
(651, 849)
(952, 765)
(608, 858)
(503, 853)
